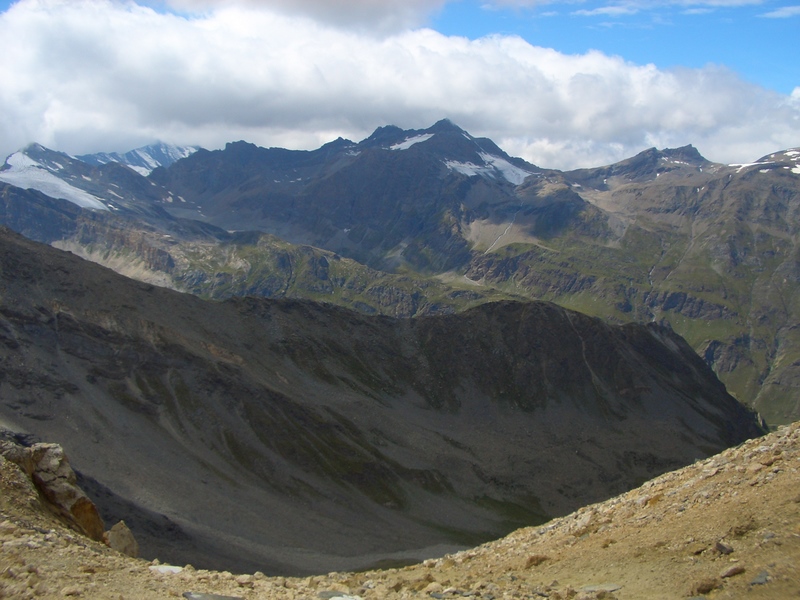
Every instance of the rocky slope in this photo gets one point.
(292, 436)
(725, 527)
(201, 259)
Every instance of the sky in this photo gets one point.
(561, 83)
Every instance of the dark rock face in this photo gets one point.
(290, 436)
(369, 201)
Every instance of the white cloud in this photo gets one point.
(365, 15)
(91, 75)
(634, 5)
(784, 12)
(609, 11)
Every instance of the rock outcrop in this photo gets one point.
(51, 473)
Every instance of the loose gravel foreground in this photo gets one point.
(726, 527)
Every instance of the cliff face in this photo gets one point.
(290, 435)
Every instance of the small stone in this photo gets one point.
(705, 586)
(760, 579)
(71, 590)
(723, 548)
(166, 569)
(245, 581)
(433, 588)
(731, 571)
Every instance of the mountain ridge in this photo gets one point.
(237, 421)
(144, 159)
(436, 221)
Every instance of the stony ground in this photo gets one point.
(727, 527)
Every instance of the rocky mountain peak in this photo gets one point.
(787, 159)
(688, 154)
(445, 126)
(387, 134)
(144, 159)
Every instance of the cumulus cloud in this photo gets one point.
(90, 75)
(365, 15)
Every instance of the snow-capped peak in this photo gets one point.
(145, 159)
(23, 171)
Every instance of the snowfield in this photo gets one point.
(492, 167)
(26, 173)
(408, 142)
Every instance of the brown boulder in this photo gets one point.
(51, 473)
(120, 538)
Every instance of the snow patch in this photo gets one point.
(408, 142)
(26, 173)
(745, 166)
(469, 169)
(492, 167)
(512, 173)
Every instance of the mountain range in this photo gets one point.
(142, 160)
(415, 222)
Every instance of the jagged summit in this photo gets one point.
(687, 153)
(648, 165)
(445, 125)
(36, 167)
(145, 159)
(108, 186)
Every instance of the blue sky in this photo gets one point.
(562, 84)
(761, 48)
